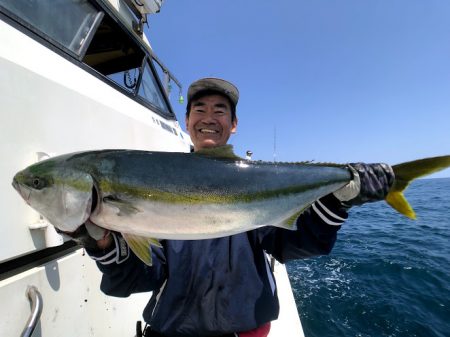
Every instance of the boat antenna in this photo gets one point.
(274, 143)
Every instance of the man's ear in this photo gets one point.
(186, 123)
(234, 127)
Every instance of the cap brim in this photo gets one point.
(215, 84)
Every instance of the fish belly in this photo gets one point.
(183, 221)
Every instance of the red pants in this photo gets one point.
(262, 331)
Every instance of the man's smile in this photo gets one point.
(209, 131)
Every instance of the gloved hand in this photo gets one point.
(371, 182)
(90, 236)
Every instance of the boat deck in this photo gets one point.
(288, 323)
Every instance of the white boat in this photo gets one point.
(70, 80)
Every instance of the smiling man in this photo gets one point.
(224, 286)
(211, 112)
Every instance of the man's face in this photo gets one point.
(209, 123)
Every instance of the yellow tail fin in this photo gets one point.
(407, 172)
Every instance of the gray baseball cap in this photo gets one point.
(216, 84)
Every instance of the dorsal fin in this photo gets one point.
(220, 152)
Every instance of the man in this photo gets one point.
(224, 286)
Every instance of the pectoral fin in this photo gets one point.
(407, 172)
(291, 222)
(141, 246)
(124, 207)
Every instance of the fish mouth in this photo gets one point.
(22, 190)
(15, 184)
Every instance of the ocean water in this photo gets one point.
(386, 276)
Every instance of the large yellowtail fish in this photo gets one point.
(160, 195)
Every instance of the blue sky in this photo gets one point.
(340, 81)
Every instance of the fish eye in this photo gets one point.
(38, 183)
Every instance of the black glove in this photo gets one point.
(375, 181)
(87, 235)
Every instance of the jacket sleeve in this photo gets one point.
(124, 273)
(316, 232)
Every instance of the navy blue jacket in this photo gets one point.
(217, 286)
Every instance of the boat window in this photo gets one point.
(91, 36)
(149, 89)
(169, 87)
(127, 79)
(162, 75)
(71, 26)
(114, 54)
